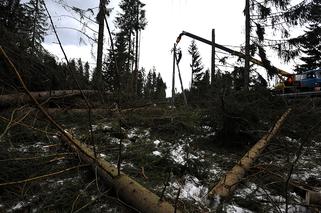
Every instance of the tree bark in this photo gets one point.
(101, 16)
(246, 74)
(228, 183)
(126, 188)
(22, 98)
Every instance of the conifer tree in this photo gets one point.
(279, 17)
(131, 21)
(86, 73)
(310, 43)
(38, 27)
(117, 61)
(140, 82)
(196, 64)
(160, 88)
(148, 89)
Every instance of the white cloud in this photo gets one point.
(166, 19)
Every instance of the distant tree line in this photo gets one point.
(23, 27)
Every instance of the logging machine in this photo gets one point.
(287, 82)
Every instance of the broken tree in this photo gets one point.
(228, 183)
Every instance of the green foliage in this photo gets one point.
(196, 64)
(155, 88)
(310, 42)
(279, 16)
(22, 30)
(38, 27)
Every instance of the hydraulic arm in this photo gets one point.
(232, 52)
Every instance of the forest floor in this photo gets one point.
(157, 150)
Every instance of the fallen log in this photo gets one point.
(22, 98)
(310, 194)
(228, 183)
(128, 189)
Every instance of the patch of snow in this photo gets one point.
(107, 127)
(236, 209)
(296, 209)
(291, 140)
(94, 127)
(132, 133)
(18, 206)
(125, 143)
(211, 134)
(156, 142)
(115, 140)
(157, 153)
(191, 156)
(177, 154)
(146, 132)
(42, 146)
(215, 170)
(102, 155)
(192, 189)
(208, 128)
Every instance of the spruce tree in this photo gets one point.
(149, 88)
(160, 88)
(130, 22)
(310, 43)
(117, 62)
(278, 18)
(86, 73)
(140, 82)
(196, 64)
(38, 26)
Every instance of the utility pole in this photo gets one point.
(173, 80)
(180, 79)
(213, 57)
(246, 74)
(101, 15)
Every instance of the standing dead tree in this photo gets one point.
(228, 183)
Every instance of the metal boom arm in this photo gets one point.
(232, 52)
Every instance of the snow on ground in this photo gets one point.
(132, 133)
(236, 209)
(156, 142)
(102, 155)
(18, 206)
(157, 153)
(177, 154)
(191, 190)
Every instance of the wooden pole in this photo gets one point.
(228, 183)
(213, 57)
(173, 80)
(180, 79)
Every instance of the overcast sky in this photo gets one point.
(166, 19)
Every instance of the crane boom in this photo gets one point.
(232, 52)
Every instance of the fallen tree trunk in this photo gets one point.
(126, 188)
(228, 183)
(129, 190)
(22, 98)
(307, 192)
